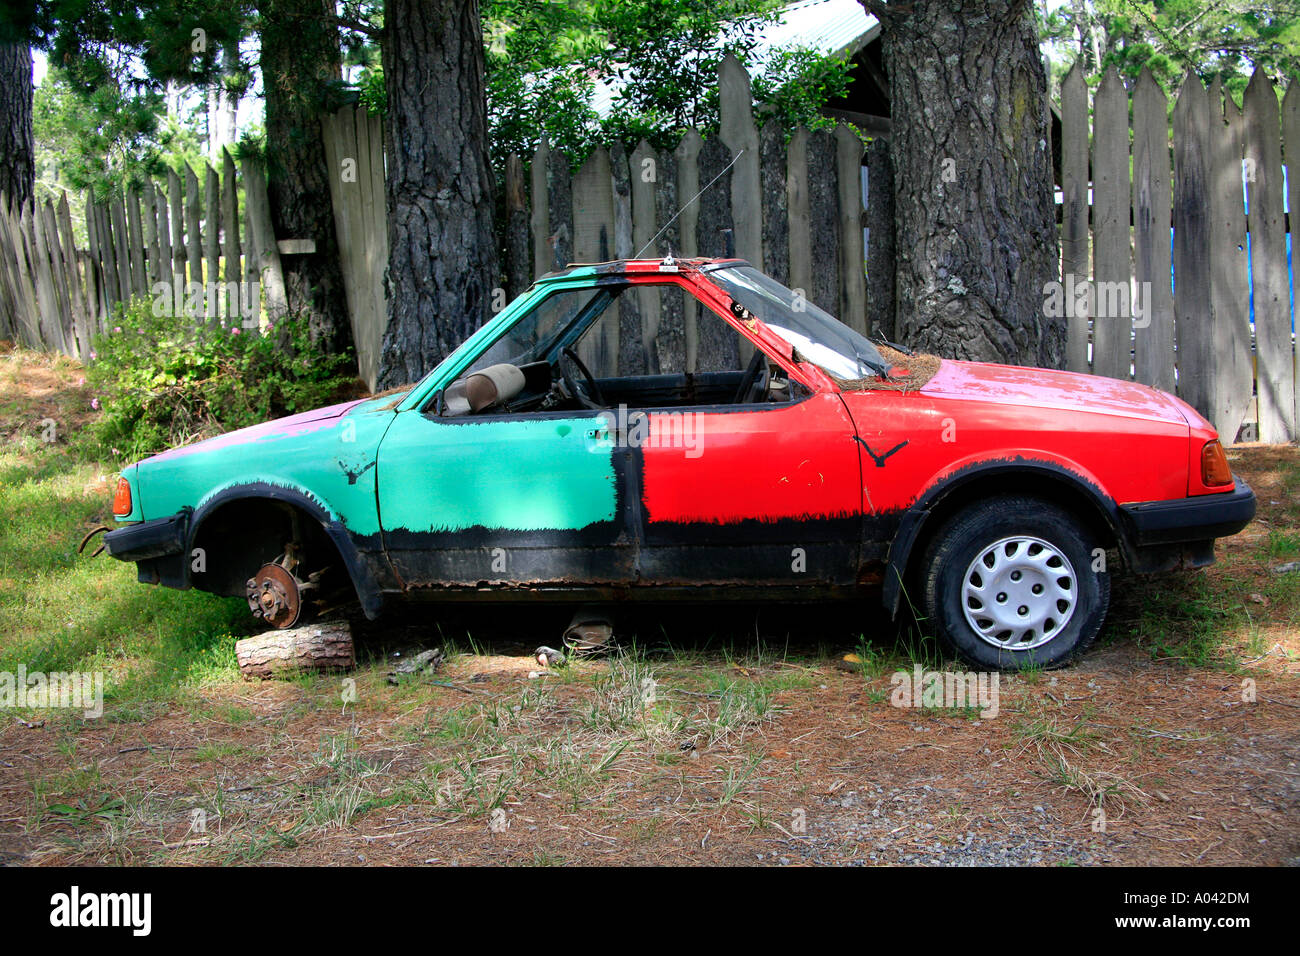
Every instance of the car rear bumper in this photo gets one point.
(1200, 518)
(1164, 535)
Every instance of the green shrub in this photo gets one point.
(162, 381)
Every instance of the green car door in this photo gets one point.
(528, 498)
(510, 499)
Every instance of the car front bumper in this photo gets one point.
(157, 547)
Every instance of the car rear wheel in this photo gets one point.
(1013, 582)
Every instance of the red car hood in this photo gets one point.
(1046, 388)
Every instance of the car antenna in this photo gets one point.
(687, 204)
(881, 340)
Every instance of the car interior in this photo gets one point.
(565, 355)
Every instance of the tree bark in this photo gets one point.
(442, 256)
(975, 232)
(17, 148)
(300, 56)
(316, 647)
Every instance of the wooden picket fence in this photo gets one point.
(177, 244)
(1157, 212)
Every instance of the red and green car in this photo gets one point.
(692, 429)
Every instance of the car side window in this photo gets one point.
(652, 329)
(642, 345)
(534, 335)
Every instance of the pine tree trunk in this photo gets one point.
(975, 230)
(300, 57)
(442, 256)
(17, 149)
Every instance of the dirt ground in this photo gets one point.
(1182, 769)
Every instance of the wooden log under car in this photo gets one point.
(315, 647)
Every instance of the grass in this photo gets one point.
(60, 611)
(1063, 749)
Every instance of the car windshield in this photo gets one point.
(818, 336)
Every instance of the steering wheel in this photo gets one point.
(589, 396)
(753, 384)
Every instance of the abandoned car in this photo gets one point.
(693, 429)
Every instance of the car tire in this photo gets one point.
(1010, 583)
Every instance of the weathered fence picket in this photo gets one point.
(1075, 253)
(1291, 137)
(1191, 246)
(231, 248)
(519, 255)
(212, 231)
(798, 211)
(849, 150)
(776, 210)
(1153, 338)
(823, 222)
(1268, 262)
(355, 159)
(1111, 199)
(176, 225)
(1234, 368)
(881, 317)
(739, 134)
(193, 242)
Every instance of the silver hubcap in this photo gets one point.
(1019, 593)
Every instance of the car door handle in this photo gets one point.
(604, 437)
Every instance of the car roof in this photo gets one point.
(624, 267)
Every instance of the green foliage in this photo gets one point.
(667, 54)
(101, 118)
(664, 55)
(798, 83)
(543, 61)
(539, 58)
(108, 41)
(104, 139)
(161, 380)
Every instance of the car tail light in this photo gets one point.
(122, 498)
(1214, 465)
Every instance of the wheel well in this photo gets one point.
(1045, 485)
(240, 536)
